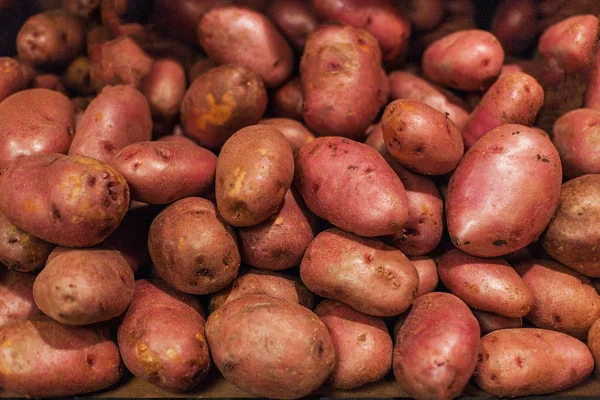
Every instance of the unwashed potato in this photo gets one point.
(428, 275)
(295, 132)
(16, 296)
(489, 322)
(295, 19)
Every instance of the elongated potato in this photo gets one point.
(489, 322)
(428, 275)
(295, 132)
(16, 296)
(20, 251)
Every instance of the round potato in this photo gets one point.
(424, 15)
(16, 296)
(288, 100)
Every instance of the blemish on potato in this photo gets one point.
(181, 242)
(217, 114)
(499, 242)
(239, 177)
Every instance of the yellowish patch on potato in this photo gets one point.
(181, 242)
(239, 176)
(200, 337)
(31, 205)
(278, 221)
(141, 347)
(262, 151)
(406, 106)
(309, 139)
(218, 113)
(6, 343)
(77, 219)
(172, 354)
(98, 117)
(425, 209)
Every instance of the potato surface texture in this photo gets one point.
(19, 250)
(16, 296)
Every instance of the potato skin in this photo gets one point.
(363, 346)
(20, 251)
(295, 19)
(161, 338)
(451, 61)
(192, 248)
(593, 343)
(121, 61)
(35, 121)
(16, 296)
(72, 201)
(350, 185)
(424, 15)
(288, 100)
(164, 87)
(515, 24)
(489, 322)
(365, 274)
(428, 275)
(592, 94)
(11, 77)
(293, 366)
(254, 171)
(436, 347)
(295, 132)
(43, 358)
(563, 300)
(530, 361)
(512, 168)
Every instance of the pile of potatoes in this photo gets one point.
(299, 194)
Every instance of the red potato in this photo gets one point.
(375, 139)
(77, 76)
(11, 77)
(436, 347)
(49, 81)
(183, 14)
(489, 322)
(295, 19)
(20, 251)
(465, 60)
(593, 344)
(288, 100)
(504, 192)
(592, 94)
(515, 25)
(83, 8)
(295, 132)
(164, 88)
(428, 274)
(16, 297)
(424, 15)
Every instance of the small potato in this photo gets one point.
(295, 19)
(515, 25)
(292, 366)
(485, 284)
(421, 138)
(162, 172)
(365, 274)
(295, 132)
(49, 81)
(164, 88)
(428, 275)
(43, 358)
(220, 102)
(161, 338)
(504, 192)
(563, 300)
(11, 77)
(192, 248)
(254, 171)
(288, 100)
(436, 347)
(77, 76)
(117, 117)
(233, 34)
(489, 322)
(592, 94)
(16, 296)
(529, 361)
(593, 343)
(363, 346)
(67, 200)
(465, 60)
(200, 66)
(20, 251)
(121, 62)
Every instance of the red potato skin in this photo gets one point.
(295, 19)
(515, 98)
(515, 25)
(16, 294)
(11, 77)
(489, 322)
(35, 121)
(428, 275)
(234, 34)
(530, 361)
(512, 168)
(116, 118)
(164, 88)
(467, 60)
(424, 15)
(83, 8)
(436, 347)
(331, 169)
(288, 100)
(296, 133)
(362, 343)
(593, 344)
(592, 94)
(49, 81)
(20, 251)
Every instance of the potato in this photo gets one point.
(77, 76)
(49, 81)
(161, 338)
(35, 121)
(485, 284)
(43, 358)
(515, 25)
(20, 251)
(83, 8)
(421, 138)
(295, 19)
(287, 366)
(192, 248)
(365, 274)
(232, 34)
(67, 200)
(95, 38)
(295, 132)
(258, 281)
(592, 94)
(220, 102)
(424, 15)
(515, 98)
(288, 100)
(529, 361)
(563, 300)
(340, 71)
(117, 117)
(11, 77)
(164, 88)
(121, 61)
(350, 185)
(469, 59)
(593, 343)
(363, 346)
(489, 322)
(504, 192)
(436, 347)
(428, 276)
(254, 171)
(16, 296)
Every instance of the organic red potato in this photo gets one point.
(515, 24)
(288, 100)
(428, 274)
(295, 19)
(20, 251)
(489, 322)
(11, 77)
(295, 132)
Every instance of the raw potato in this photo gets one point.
(295, 19)
(121, 62)
(49, 81)
(72, 201)
(436, 347)
(592, 94)
(42, 358)
(254, 171)
(16, 297)
(20, 251)
(428, 275)
(293, 365)
(514, 24)
(161, 338)
(164, 87)
(363, 346)
(77, 76)
(288, 100)
(11, 77)
(295, 132)
(593, 343)
(365, 274)
(529, 361)
(424, 15)
(489, 322)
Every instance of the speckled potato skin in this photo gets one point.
(16, 296)
(251, 345)
(504, 191)
(428, 276)
(365, 274)
(269, 283)
(35, 121)
(296, 133)
(436, 347)
(363, 346)
(288, 100)
(192, 248)
(530, 361)
(485, 284)
(254, 171)
(593, 343)
(20, 251)
(451, 61)
(563, 300)
(233, 34)
(350, 185)
(72, 201)
(340, 71)
(43, 358)
(161, 338)
(489, 322)
(11, 77)
(220, 102)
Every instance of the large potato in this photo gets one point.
(16, 296)
(489, 322)
(19, 250)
